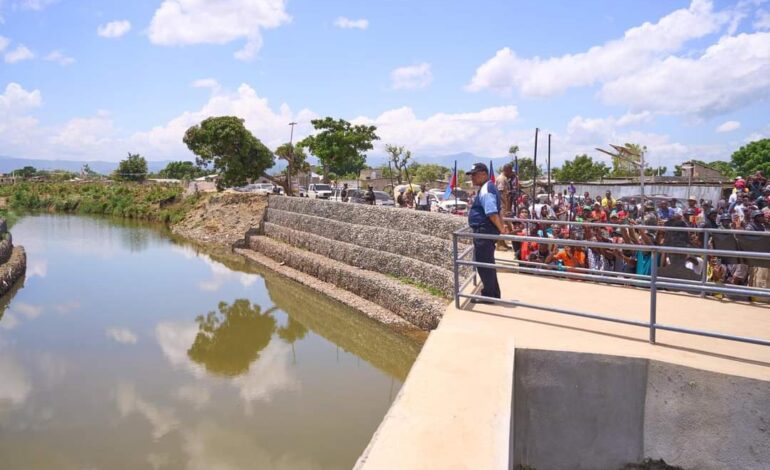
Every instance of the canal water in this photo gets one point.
(127, 349)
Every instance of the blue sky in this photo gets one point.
(92, 80)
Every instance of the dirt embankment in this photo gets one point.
(222, 219)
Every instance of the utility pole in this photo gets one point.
(549, 166)
(534, 175)
(289, 187)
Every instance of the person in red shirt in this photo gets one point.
(598, 215)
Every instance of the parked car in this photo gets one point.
(319, 191)
(302, 191)
(453, 206)
(260, 188)
(381, 198)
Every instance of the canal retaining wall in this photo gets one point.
(398, 259)
(13, 260)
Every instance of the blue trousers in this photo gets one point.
(484, 252)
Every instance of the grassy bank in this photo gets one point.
(151, 202)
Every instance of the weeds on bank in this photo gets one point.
(152, 202)
(424, 287)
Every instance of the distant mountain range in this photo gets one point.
(7, 164)
(465, 160)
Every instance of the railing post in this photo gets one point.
(653, 294)
(704, 274)
(456, 271)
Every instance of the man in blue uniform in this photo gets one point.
(484, 217)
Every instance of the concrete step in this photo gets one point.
(365, 258)
(414, 305)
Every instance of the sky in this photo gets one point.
(94, 80)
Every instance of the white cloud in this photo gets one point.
(411, 77)
(728, 126)
(194, 394)
(763, 20)
(268, 125)
(16, 100)
(583, 135)
(37, 267)
(18, 129)
(19, 54)
(122, 335)
(162, 419)
(268, 375)
(114, 29)
(28, 310)
(480, 132)
(15, 386)
(36, 5)
(620, 57)
(92, 135)
(175, 338)
(729, 74)
(4, 43)
(185, 22)
(206, 83)
(347, 23)
(763, 133)
(60, 58)
(8, 321)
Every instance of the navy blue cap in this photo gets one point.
(477, 167)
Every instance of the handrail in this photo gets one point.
(619, 246)
(663, 228)
(652, 281)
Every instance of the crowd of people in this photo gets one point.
(633, 222)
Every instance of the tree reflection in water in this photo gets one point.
(228, 341)
(291, 333)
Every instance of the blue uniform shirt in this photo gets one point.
(485, 204)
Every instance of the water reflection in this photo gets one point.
(103, 363)
(228, 341)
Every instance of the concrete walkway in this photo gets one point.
(454, 411)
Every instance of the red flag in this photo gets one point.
(491, 172)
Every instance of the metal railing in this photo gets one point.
(653, 281)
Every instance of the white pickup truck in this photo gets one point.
(319, 191)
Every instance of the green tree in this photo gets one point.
(133, 168)
(428, 173)
(526, 169)
(182, 171)
(296, 159)
(291, 333)
(228, 341)
(725, 168)
(581, 169)
(752, 157)
(626, 167)
(659, 171)
(224, 143)
(399, 160)
(26, 172)
(340, 146)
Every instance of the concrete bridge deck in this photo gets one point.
(455, 408)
